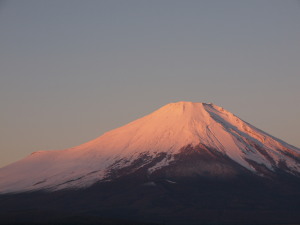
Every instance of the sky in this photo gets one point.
(71, 70)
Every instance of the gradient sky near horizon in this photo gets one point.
(72, 70)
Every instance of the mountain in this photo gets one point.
(217, 142)
(186, 163)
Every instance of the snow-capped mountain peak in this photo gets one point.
(154, 142)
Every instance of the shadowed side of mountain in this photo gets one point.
(191, 162)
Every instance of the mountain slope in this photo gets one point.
(166, 142)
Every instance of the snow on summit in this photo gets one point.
(165, 131)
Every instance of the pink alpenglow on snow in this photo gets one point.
(167, 130)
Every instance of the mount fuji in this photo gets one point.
(179, 139)
(185, 163)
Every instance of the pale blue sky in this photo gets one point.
(71, 70)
